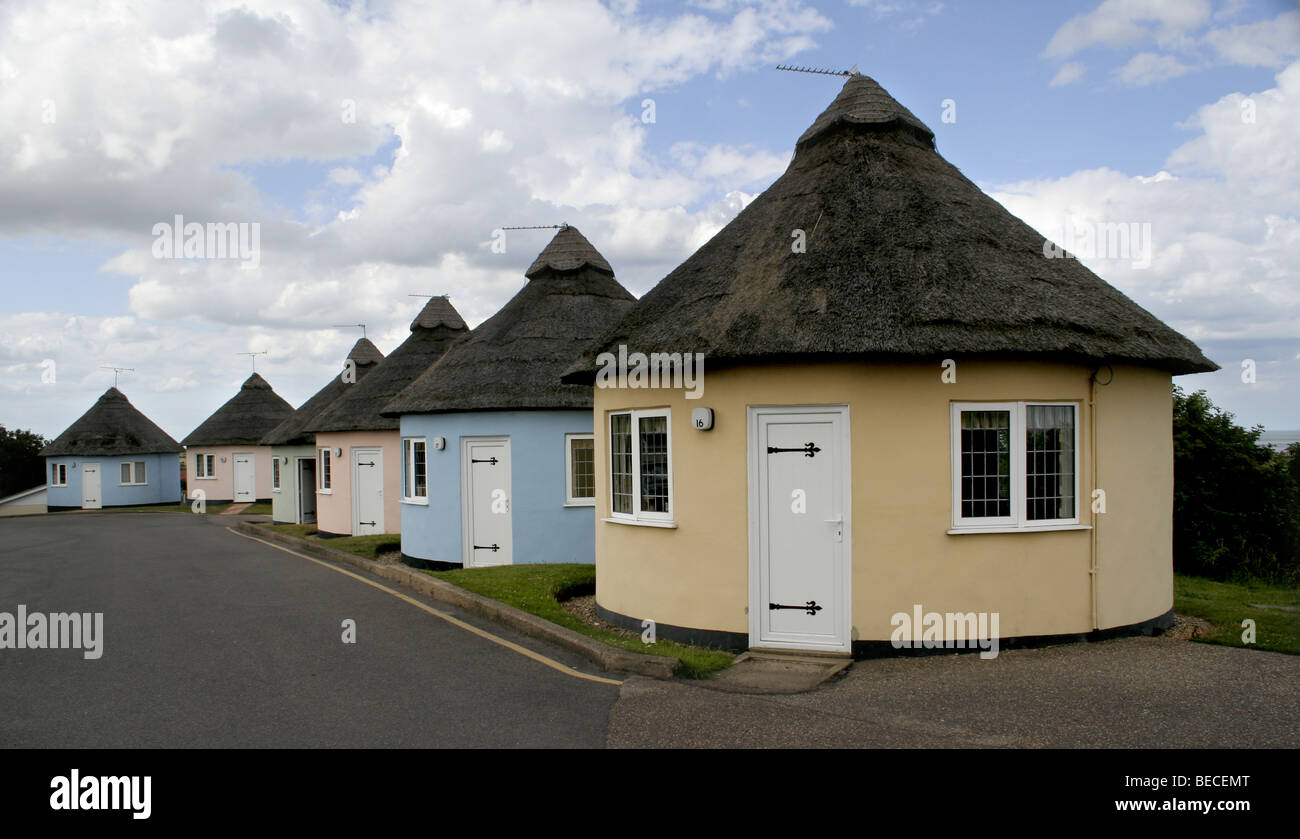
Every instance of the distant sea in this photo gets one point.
(1279, 440)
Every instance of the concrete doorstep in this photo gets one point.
(609, 658)
(766, 672)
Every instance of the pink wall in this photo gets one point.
(222, 487)
(334, 510)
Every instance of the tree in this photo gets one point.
(21, 464)
(1236, 502)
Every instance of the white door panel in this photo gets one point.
(486, 517)
(799, 504)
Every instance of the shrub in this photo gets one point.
(1236, 502)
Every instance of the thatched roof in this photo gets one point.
(112, 426)
(905, 257)
(245, 419)
(513, 360)
(292, 432)
(435, 329)
(569, 250)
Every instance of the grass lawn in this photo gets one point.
(1226, 605)
(532, 588)
(170, 508)
(367, 546)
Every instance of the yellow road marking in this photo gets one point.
(510, 645)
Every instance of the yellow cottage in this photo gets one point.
(898, 419)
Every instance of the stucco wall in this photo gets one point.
(284, 501)
(221, 487)
(899, 414)
(162, 475)
(543, 528)
(334, 509)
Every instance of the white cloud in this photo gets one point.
(516, 113)
(1148, 68)
(1223, 216)
(1123, 23)
(1070, 72)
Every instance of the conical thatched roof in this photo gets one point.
(292, 432)
(112, 426)
(513, 360)
(436, 328)
(569, 250)
(904, 257)
(245, 419)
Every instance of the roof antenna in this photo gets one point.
(819, 70)
(443, 296)
(349, 325)
(254, 357)
(117, 370)
(561, 226)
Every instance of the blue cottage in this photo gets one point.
(497, 452)
(114, 456)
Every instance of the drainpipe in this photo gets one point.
(1092, 454)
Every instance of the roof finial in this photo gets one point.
(254, 356)
(116, 370)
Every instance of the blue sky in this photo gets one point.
(531, 114)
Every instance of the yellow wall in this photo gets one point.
(697, 574)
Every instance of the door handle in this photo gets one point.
(838, 528)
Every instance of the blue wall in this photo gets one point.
(543, 529)
(162, 471)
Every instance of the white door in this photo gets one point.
(800, 551)
(90, 488)
(245, 485)
(367, 491)
(485, 505)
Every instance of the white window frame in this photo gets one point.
(205, 471)
(408, 470)
(277, 472)
(637, 516)
(324, 467)
(133, 471)
(571, 500)
(59, 478)
(1018, 521)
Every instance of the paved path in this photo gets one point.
(1124, 693)
(216, 640)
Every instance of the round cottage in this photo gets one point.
(922, 426)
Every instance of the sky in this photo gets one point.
(377, 146)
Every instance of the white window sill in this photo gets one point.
(133, 485)
(643, 522)
(324, 492)
(275, 489)
(205, 477)
(417, 502)
(1003, 528)
(580, 503)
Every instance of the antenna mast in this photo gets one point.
(350, 325)
(117, 370)
(254, 356)
(818, 70)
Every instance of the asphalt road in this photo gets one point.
(212, 640)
